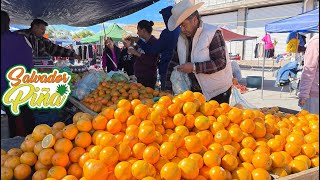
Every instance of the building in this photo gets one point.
(249, 17)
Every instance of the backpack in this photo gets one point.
(292, 46)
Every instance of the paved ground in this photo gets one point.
(271, 96)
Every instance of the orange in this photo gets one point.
(217, 172)
(70, 131)
(281, 172)
(315, 162)
(75, 170)
(189, 168)
(278, 160)
(225, 107)
(284, 132)
(311, 138)
(109, 155)
(182, 130)
(229, 162)
(83, 159)
(207, 109)
(202, 123)
(298, 166)
(83, 139)
(27, 145)
(216, 126)
(170, 171)
(189, 108)
(275, 145)
(217, 148)
(295, 138)
(12, 162)
(241, 173)
(247, 126)
(173, 109)
(138, 149)
(146, 134)
(193, 144)
(189, 123)
(246, 155)
(249, 142)
(122, 114)
(262, 149)
(134, 103)
(235, 115)
(223, 137)
(305, 159)
(60, 159)
(130, 140)
(151, 154)
(140, 169)
(39, 166)
(7, 173)
(99, 122)
(198, 158)
(230, 150)
(308, 150)
(247, 165)
(28, 158)
(114, 126)
(147, 123)
(40, 174)
(176, 139)
(40, 131)
(69, 177)
(168, 150)
(95, 169)
(224, 120)
(236, 145)
(247, 114)
(133, 120)
(260, 130)
(76, 153)
(123, 170)
(22, 171)
(45, 156)
(123, 103)
(287, 157)
(211, 159)
(260, 174)
(206, 137)
(95, 151)
(64, 145)
(261, 160)
(236, 134)
(84, 125)
(161, 162)
(15, 152)
(293, 149)
(57, 172)
(124, 151)
(316, 147)
(108, 140)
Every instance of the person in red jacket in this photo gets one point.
(145, 66)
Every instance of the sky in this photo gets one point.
(149, 13)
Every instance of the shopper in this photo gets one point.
(42, 46)
(126, 60)
(145, 66)
(15, 50)
(166, 45)
(309, 84)
(111, 54)
(205, 61)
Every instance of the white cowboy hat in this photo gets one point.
(181, 12)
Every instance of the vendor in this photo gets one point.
(42, 46)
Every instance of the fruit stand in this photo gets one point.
(182, 137)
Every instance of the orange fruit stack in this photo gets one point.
(182, 137)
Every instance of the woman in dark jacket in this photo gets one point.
(126, 60)
(111, 54)
(145, 67)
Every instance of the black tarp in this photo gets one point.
(71, 12)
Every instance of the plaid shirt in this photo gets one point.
(44, 47)
(217, 62)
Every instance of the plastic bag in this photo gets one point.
(237, 99)
(119, 76)
(180, 82)
(90, 83)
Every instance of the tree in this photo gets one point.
(58, 33)
(82, 34)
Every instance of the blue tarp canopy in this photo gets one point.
(305, 22)
(71, 12)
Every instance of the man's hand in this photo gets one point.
(134, 52)
(302, 101)
(235, 81)
(186, 68)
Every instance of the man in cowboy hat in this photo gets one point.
(201, 52)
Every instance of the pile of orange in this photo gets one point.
(183, 137)
(109, 93)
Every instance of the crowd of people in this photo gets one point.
(186, 44)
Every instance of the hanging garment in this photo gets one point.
(256, 51)
(269, 53)
(260, 50)
(80, 51)
(90, 51)
(268, 42)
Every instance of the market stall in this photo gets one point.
(307, 22)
